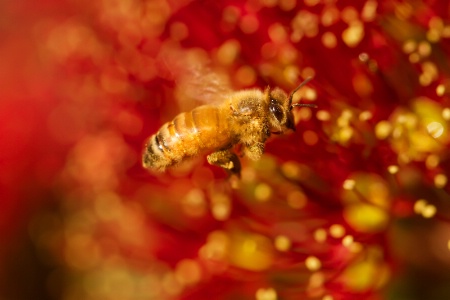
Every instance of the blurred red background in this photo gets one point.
(353, 205)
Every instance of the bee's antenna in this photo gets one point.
(303, 105)
(291, 106)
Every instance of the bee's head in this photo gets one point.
(281, 117)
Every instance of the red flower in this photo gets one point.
(340, 209)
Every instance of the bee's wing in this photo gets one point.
(197, 83)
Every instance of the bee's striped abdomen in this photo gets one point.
(190, 133)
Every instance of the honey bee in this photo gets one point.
(246, 118)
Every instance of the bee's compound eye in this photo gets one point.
(276, 110)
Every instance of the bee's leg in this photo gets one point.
(255, 151)
(227, 160)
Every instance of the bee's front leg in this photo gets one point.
(226, 160)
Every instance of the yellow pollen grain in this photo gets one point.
(414, 57)
(349, 14)
(308, 72)
(263, 192)
(249, 24)
(266, 294)
(365, 115)
(448, 244)
(246, 76)
(393, 169)
(419, 206)
(431, 68)
(424, 48)
(310, 137)
(425, 79)
(287, 5)
(323, 115)
(432, 161)
(290, 73)
(409, 46)
(269, 3)
(269, 50)
(349, 184)
(337, 231)
(347, 241)
(446, 113)
(446, 31)
(230, 14)
(282, 243)
(296, 199)
(440, 90)
(316, 280)
(436, 22)
(440, 180)
(353, 35)
(329, 40)
(221, 209)
(320, 235)
(355, 247)
(228, 52)
(369, 11)
(429, 211)
(311, 2)
(277, 33)
(329, 16)
(312, 263)
(433, 35)
(327, 297)
(188, 272)
(383, 129)
(435, 129)
(310, 94)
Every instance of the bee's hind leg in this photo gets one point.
(226, 160)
